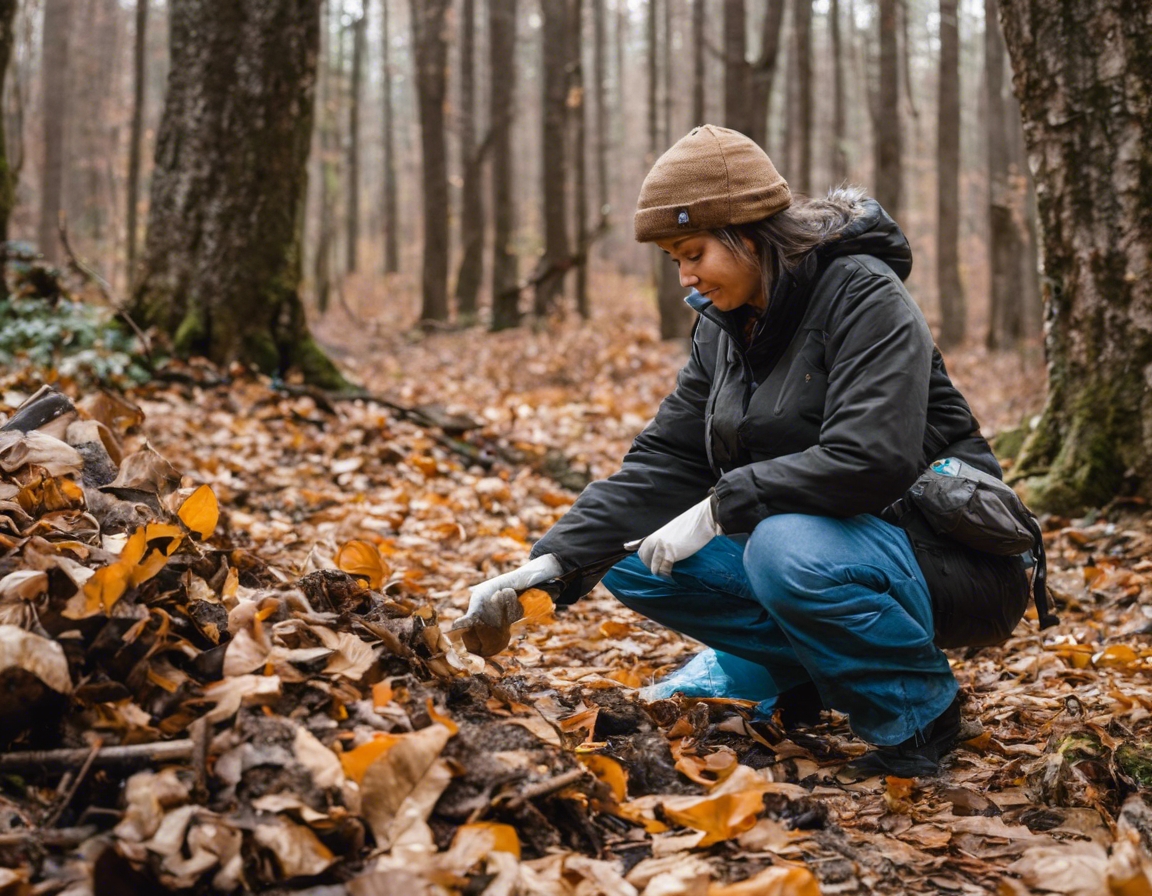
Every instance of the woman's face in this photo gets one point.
(709, 267)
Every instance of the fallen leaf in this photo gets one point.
(201, 512)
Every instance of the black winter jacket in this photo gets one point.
(841, 423)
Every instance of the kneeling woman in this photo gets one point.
(812, 399)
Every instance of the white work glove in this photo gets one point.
(679, 539)
(495, 602)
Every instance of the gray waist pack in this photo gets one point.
(967, 506)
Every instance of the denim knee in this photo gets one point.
(777, 558)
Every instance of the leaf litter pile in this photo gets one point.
(226, 666)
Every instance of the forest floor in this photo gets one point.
(352, 745)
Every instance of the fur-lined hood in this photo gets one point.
(868, 230)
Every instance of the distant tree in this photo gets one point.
(1083, 75)
(328, 138)
(698, 45)
(554, 169)
(801, 177)
(599, 62)
(221, 268)
(763, 71)
(355, 88)
(1005, 240)
(577, 110)
(953, 309)
(471, 270)
(676, 318)
(839, 162)
(57, 24)
(737, 86)
(888, 142)
(136, 136)
(430, 40)
(502, 94)
(388, 209)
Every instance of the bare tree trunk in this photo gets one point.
(888, 136)
(391, 237)
(471, 271)
(502, 65)
(554, 56)
(763, 72)
(698, 42)
(802, 176)
(839, 163)
(57, 24)
(1083, 76)
(222, 258)
(601, 110)
(329, 140)
(136, 138)
(1004, 239)
(1024, 204)
(577, 107)
(667, 74)
(737, 92)
(953, 308)
(359, 35)
(430, 40)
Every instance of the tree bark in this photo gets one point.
(359, 40)
(737, 93)
(888, 137)
(502, 65)
(329, 139)
(57, 24)
(1083, 74)
(222, 257)
(554, 56)
(429, 25)
(953, 309)
(802, 176)
(1005, 244)
(471, 271)
(391, 237)
(136, 138)
(599, 60)
(839, 162)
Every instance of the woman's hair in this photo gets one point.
(782, 241)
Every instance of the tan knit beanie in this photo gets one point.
(710, 178)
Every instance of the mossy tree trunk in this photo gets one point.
(222, 260)
(1083, 74)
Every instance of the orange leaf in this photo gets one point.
(200, 512)
(443, 720)
(710, 769)
(356, 762)
(608, 770)
(477, 840)
(720, 817)
(358, 558)
(774, 881)
(537, 606)
(381, 694)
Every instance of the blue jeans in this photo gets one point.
(838, 602)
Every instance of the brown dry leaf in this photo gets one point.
(297, 850)
(772, 882)
(359, 558)
(708, 770)
(201, 512)
(473, 842)
(407, 771)
(1077, 869)
(20, 649)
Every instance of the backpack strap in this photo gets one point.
(1040, 577)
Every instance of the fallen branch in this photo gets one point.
(543, 788)
(162, 751)
(60, 837)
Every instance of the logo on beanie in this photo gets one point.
(682, 218)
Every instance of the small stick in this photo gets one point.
(66, 837)
(199, 732)
(162, 751)
(543, 788)
(71, 792)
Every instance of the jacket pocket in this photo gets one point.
(806, 382)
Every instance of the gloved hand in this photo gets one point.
(679, 539)
(495, 604)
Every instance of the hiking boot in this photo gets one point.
(917, 757)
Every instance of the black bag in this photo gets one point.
(968, 530)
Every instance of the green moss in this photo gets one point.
(1136, 762)
(1008, 442)
(192, 334)
(317, 368)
